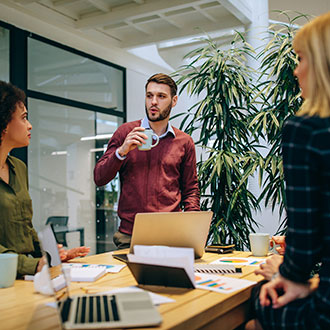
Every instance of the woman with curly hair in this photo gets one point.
(16, 231)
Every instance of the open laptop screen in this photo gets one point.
(178, 229)
(55, 270)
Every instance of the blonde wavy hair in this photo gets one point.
(313, 40)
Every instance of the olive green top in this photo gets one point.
(16, 232)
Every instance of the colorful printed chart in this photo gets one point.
(221, 284)
(239, 261)
(108, 268)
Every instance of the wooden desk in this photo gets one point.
(22, 308)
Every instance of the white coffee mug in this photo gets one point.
(261, 244)
(148, 142)
(8, 268)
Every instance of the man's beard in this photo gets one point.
(161, 115)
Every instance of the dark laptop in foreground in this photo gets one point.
(179, 229)
(97, 311)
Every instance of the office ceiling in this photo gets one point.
(171, 25)
(132, 23)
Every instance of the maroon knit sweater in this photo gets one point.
(159, 180)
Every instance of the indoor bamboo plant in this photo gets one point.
(221, 120)
(235, 113)
(280, 98)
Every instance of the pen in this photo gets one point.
(61, 295)
(90, 289)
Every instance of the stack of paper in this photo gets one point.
(59, 282)
(80, 274)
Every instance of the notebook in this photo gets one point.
(86, 274)
(179, 229)
(216, 269)
(80, 274)
(99, 311)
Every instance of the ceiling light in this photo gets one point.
(59, 153)
(96, 137)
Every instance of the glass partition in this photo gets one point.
(4, 54)
(58, 72)
(70, 97)
(108, 195)
(61, 160)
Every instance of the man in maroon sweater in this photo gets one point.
(162, 179)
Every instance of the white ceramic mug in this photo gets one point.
(8, 269)
(148, 143)
(261, 244)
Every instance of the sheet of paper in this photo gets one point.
(86, 274)
(109, 268)
(28, 277)
(221, 284)
(165, 256)
(52, 304)
(236, 261)
(160, 251)
(157, 299)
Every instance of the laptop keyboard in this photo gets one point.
(65, 308)
(90, 309)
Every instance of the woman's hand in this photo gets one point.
(270, 267)
(280, 240)
(66, 255)
(288, 290)
(41, 263)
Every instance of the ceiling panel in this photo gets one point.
(135, 22)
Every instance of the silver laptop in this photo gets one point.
(97, 311)
(180, 229)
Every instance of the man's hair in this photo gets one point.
(162, 78)
(10, 96)
(313, 40)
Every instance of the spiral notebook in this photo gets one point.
(216, 269)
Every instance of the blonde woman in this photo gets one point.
(16, 231)
(288, 301)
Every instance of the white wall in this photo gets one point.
(135, 94)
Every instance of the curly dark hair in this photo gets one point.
(9, 97)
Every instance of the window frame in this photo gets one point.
(18, 76)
